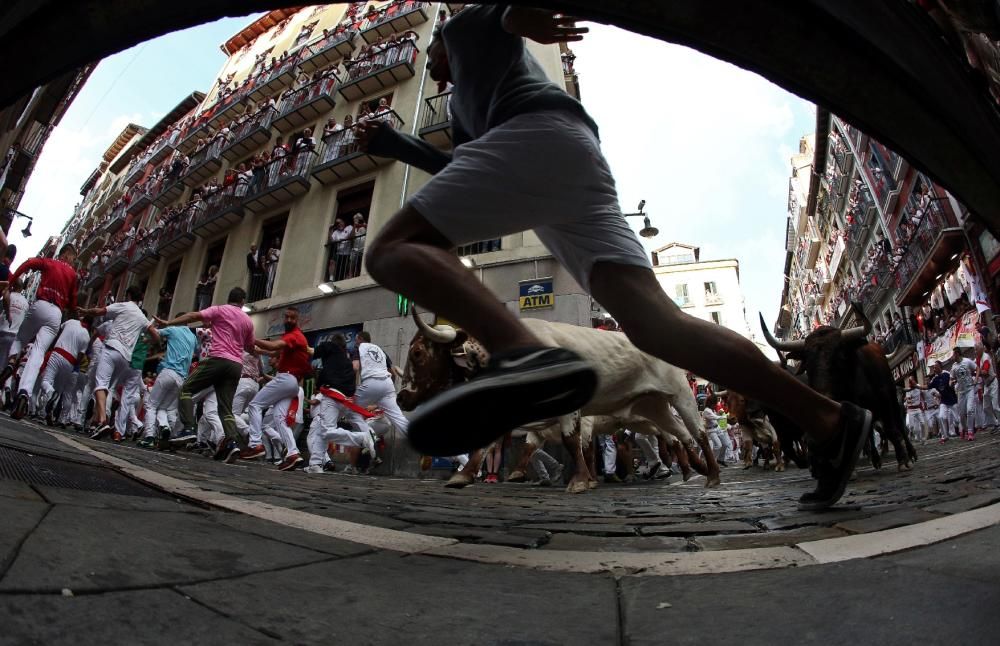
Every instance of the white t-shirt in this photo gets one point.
(128, 322)
(963, 374)
(18, 308)
(74, 338)
(913, 398)
(374, 364)
(711, 419)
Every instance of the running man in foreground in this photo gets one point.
(527, 156)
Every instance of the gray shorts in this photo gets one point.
(542, 171)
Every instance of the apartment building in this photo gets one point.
(870, 236)
(186, 196)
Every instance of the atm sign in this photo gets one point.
(536, 294)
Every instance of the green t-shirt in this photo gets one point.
(140, 352)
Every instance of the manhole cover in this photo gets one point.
(52, 472)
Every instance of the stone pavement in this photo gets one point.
(90, 556)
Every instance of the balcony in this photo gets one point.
(929, 253)
(165, 146)
(167, 190)
(380, 71)
(394, 18)
(222, 211)
(204, 163)
(121, 259)
(227, 108)
(435, 128)
(116, 219)
(95, 276)
(189, 139)
(713, 299)
(341, 158)
(141, 197)
(144, 256)
(17, 168)
(176, 235)
(94, 241)
(270, 82)
(285, 179)
(344, 258)
(307, 103)
(327, 50)
(250, 135)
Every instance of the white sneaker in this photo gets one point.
(314, 468)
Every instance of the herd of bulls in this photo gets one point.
(651, 397)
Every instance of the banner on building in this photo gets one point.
(961, 335)
(350, 333)
(276, 319)
(536, 294)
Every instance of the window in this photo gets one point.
(304, 34)
(345, 243)
(710, 289)
(679, 258)
(717, 318)
(483, 246)
(268, 255)
(371, 106)
(681, 295)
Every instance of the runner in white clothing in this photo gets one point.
(375, 371)
(914, 403)
(963, 373)
(15, 306)
(128, 322)
(59, 377)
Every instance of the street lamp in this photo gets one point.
(26, 231)
(648, 230)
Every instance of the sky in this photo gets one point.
(706, 144)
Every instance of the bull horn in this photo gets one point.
(854, 333)
(436, 334)
(785, 346)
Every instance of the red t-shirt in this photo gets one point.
(59, 282)
(295, 356)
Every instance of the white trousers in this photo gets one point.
(987, 410)
(718, 441)
(609, 452)
(915, 424)
(129, 404)
(648, 448)
(161, 402)
(58, 379)
(947, 421)
(278, 395)
(966, 408)
(6, 343)
(382, 393)
(210, 424)
(40, 327)
(543, 463)
(246, 390)
(112, 369)
(325, 428)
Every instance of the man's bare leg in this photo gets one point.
(411, 257)
(656, 325)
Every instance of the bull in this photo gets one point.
(844, 366)
(631, 383)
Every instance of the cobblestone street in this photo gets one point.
(752, 508)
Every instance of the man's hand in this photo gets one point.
(543, 26)
(160, 322)
(366, 131)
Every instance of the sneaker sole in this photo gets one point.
(846, 477)
(440, 426)
(292, 466)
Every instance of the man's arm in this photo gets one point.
(378, 139)
(153, 332)
(270, 346)
(92, 311)
(187, 319)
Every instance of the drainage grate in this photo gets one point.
(52, 472)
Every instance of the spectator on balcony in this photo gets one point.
(271, 265)
(258, 171)
(331, 127)
(383, 107)
(359, 229)
(305, 142)
(340, 244)
(348, 140)
(243, 177)
(205, 289)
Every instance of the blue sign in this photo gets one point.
(535, 294)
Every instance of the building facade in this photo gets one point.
(871, 237)
(706, 289)
(259, 183)
(25, 126)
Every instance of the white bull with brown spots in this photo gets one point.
(631, 383)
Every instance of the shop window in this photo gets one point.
(346, 238)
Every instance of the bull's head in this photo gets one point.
(827, 355)
(439, 357)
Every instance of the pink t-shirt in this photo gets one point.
(232, 332)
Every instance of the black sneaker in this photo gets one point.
(225, 448)
(833, 463)
(101, 431)
(164, 439)
(20, 406)
(517, 388)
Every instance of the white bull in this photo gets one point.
(630, 383)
